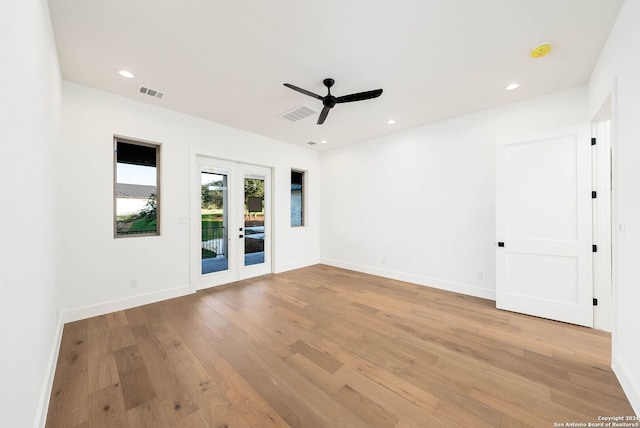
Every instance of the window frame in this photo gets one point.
(158, 147)
(303, 197)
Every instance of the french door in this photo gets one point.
(231, 224)
(543, 225)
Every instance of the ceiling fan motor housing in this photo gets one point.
(329, 100)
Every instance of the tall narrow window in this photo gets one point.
(297, 198)
(137, 188)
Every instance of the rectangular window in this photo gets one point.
(297, 198)
(137, 188)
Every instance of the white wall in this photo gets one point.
(618, 73)
(419, 205)
(29, 115)
(95, 268)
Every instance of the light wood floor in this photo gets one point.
(325, 347)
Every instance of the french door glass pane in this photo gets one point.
(214, 217)
(254, 232)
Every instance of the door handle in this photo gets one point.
(240, 236)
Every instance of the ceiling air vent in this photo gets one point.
(151, 92)
(299, 113)
(311, 143)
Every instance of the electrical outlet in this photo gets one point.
(134, 283)
(479, 275)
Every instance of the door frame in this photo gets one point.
(603, 229)
(196, 281)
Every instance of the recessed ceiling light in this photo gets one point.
(323, 141)
(125, 73)
(390, 122)
(512, 86)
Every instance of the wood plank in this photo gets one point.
(298, 401)
(365, 408)
(191, 373)
(322, 359)
(136, 384)
(101, 362)
(253, 408)
(194, 420)
(128, 358)
(137, 387)
(120, 337)
(218, 411)
(314, 374)
(388, 400)
(106, 408)
(116, 319)
(175, 401)
(147, 415)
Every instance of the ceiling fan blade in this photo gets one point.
(359, 96)
(304, 91)
(323, 115)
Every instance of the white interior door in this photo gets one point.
(231, 222)
(543, 225)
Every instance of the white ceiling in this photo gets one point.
(226, 61)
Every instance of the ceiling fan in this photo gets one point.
(329, 101)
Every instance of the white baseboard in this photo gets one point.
(456, 287)
(296, 265)
(628, 383)
(45, 394)
(121, 304)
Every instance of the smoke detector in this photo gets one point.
(543, 49)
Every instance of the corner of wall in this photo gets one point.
(296, 265)
(47, 384)
(628, 383)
